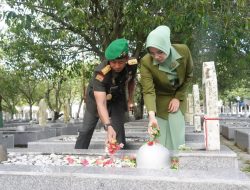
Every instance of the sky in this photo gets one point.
(3, 7)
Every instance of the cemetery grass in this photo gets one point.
(247, 169)
(243, 156)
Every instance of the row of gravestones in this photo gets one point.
(136, 136)
(199, 169)
(210, 116)
(11, 137)
(237, 130)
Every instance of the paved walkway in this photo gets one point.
(243, 157)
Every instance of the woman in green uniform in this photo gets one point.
(166, 73)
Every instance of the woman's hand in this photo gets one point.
(152, 122)
(174, 105)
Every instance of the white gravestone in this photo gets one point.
(211, 122)
(66, 109)
(42, 113)
(190, 110)
(154, 156)
(197, 108)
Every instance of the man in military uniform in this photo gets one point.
(109, 93)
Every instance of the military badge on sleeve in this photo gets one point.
(106, 69)
(99, 77)
(132, 61)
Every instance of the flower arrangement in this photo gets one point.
(174, 163)
(184, 147)
(154, 135)
(70, 160)
(113, 147)
(101, 161)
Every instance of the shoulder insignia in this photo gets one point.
(106, 69)
(132, 61)
(99, 77)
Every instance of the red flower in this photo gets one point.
(113, 147)
(99, 162)
(108, 162)
(150, 143)
(85, 162)
(70, 160)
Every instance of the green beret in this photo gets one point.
(117, 49)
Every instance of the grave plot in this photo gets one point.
(93, 169)
(7, 140)
(187, 159)
(66, 129)
(41, 159)
(228, 130)
(242, 139)
(23, 134)
(134, 140)
(67, 143)
(22, 137)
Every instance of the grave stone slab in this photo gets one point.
(228, 131)
(3, 153)
(207, 160)
(65, 178)
(242, 139)
(199, 159)
(65, 129)
(30, 134)
(56, 144)
(7, 141)
(194, 137)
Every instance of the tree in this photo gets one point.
(9, 95)
(58, 34)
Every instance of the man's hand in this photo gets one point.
(111, 135)
(174, 105)
(130, 105)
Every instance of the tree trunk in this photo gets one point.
(1, 112)
(79, 108)
(57, 115)
(30, 112)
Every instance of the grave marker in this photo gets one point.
(197, 109)
(211, 121)
(42, 113)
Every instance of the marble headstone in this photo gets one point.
(197, 109)
(211, 122)
(190, 110)
(154, 156)
(42, 113)
(66, 110)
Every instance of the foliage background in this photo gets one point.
(51, 47)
